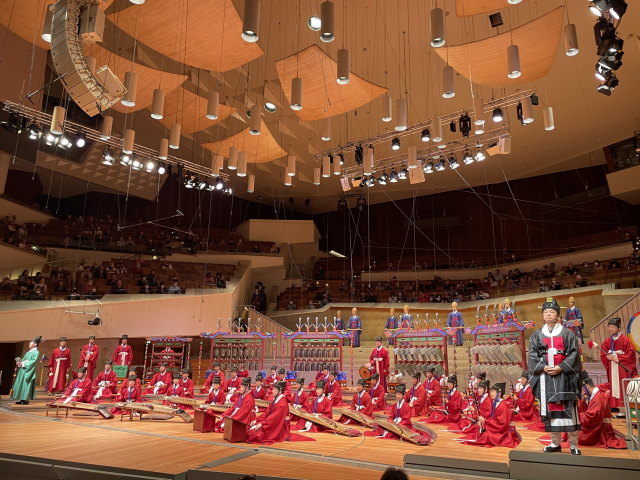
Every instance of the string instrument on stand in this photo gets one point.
(151, 408)
(325, 422)
(101, 409)
(357, 416)
(403, 432)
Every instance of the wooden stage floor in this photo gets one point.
(171, 446)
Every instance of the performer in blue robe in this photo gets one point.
(392, 324)
(406, 320)
(355, 325)
(339, 325)
(507, 314)
(575, 315)
(455, 320)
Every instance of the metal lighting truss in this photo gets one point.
(91, 134)
(503, 103)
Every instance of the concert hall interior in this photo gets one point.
(264, 239)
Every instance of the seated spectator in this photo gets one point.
(325, 300)
(24, 294)
(320, 273)
(273, 248)
(111, 268)
(580, 282)
(174, 288)
(36, 294)
(344, 287)
(548, 273)
(571, 270)
(445, 265)
(23, 277)
(422, 298)
(293, 288)
(471, 285)
(146, 289)
(511, 284)
(87, 287)
(542, 287)
(41, 285)
(74, 294)
(313, 287)
(142, 281)
(137, 269)
(310, 305)
(498, 276)
(86, 273)
(165, 264)
(256, 248)
(121, 243)
(6, 284)
(29, 284)
(100, 272)
(153, 280)
(393, 298)
(112, 282)
(554, 285)
(118, 289)
(631, 261)
(481, 294)
(60, 273)
(473, 264)
(220, 282)
(401, 297)
(485, 264)
(291, 306)
(60, 288)
(378, 286)
(613, 263)
(586, 268)
(208, 278)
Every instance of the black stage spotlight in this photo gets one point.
(426, 136)
(359, 154)
(395, 144)
(384, 178)
(465, 124)
(497, 115)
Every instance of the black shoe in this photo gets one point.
(575, 451)
(25, 402)
(19, 402)
(550, 449)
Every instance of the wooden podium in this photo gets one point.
(203, 422)
(234, 430)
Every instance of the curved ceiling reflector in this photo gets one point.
(148, 78)
(190, 111)
(486, 60)
(467, 8)
(318, 72)
(260, 148)
(203, 34)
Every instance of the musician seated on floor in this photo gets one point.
(216, 394)
(333, 390)
(416, 397)
(323, 374)
(453, 407)
(361, 402)
(280, 378)
(482, 408)
(160, 382)
(320, 406)
(377, 394)
(243, 408)
(80, 389)
(232, 384)
(299, 401)
(400, 415)
(128, 393)
(259, 393)
(525, 403)
(106, 383)
(125, 383)
(215, 373)
(432, 389)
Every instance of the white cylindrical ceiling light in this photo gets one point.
(368, 161)
(291, 165)
(527, 110)
(570, 40)
(326, 166)
(91, 63)
(296, 94)
(157, 107)
(448, 84)
(233, 158)
(217, 164)
(105, 130)
(478, 110)
(401, 114)
(437, 27)
(326, 129)
(174, 138)
(242, 164)
(287, 178)
(413, 156)
(163, 151)
(513, 61)
(57, 120)
(213, 104)
(326, 22)
(131, 84)
(336, 166)
(316, 176)
(46, 27)
(251, 185)
(443, 141)
(251, 20)
(386, 109)
(256, 119)
(549, 124)
(128, 141)
(436, 131)
(343, 66)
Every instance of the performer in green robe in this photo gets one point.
(24, 388)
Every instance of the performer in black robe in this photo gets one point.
(554, 371)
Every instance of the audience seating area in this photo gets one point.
(624, 272)
(118, 276)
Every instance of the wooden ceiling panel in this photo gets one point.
(486, 60)
(260, 148)
(148, 78)
(190, 111)
(25, 18)
(467, 8)
(318, 72)
(203, 34)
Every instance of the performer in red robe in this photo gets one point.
(280, 378)
(377, 394)
(452, 414)
(416, 397)
(243, 409)
(125, 382)
(80, 389)
(59, 363)
(620, 351)
(186, 383)
(480, 410)
(432, 390)
(272, 426)
(272, 378)
(259, 393)
(216, 373)
(300, 401)
(242, 373)
(400, 414)
(169, 359)
(232, 385)
(379, 359)
(128, 393)
(334, 391)
(595, 420)
(216, 394)
(525, 405)
(105, 384)
(361, 402)
(123, 354)
(180, 388)
(322, 375)
(89, 356)
(498, 431)
(159, 383)
(319, 406)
